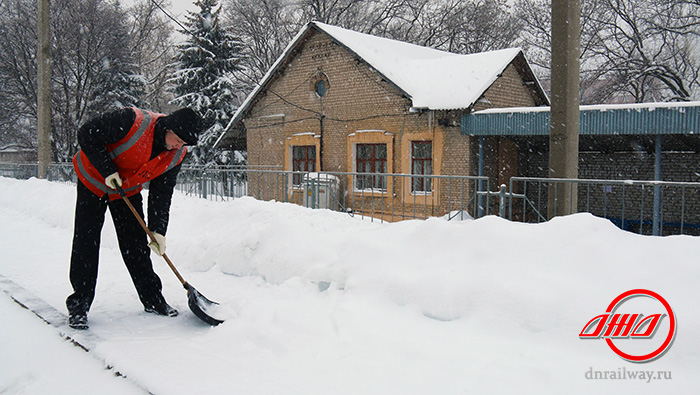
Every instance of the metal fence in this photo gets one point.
(381, 196)
(61, 172)
(377, 196)
(645, 207)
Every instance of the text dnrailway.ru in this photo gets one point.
(628, 374)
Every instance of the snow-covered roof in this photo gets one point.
(15, 148)
(432, 79)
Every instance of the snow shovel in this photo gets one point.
(197, 302)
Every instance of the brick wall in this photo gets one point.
(614, 202)
(507, 91)
(357, 99)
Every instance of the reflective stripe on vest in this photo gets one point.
(82, 171)
(100, 185)
(179, 156)
(135, 137)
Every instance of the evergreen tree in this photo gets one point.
(118, 83)
(205, 76)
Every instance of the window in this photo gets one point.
(303, 159)
(371, 151)
(371, 158)
(320, 84)
(320, 88)
(421, 165)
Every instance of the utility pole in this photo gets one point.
(564, 120)
(44, 88)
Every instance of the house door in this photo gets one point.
(507, 160)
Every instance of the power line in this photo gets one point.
(327, 118)
(186, 30)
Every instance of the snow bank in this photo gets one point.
(318, 301)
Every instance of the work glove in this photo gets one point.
(158, 246)
(112, 178)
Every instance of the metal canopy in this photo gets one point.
(598, 120)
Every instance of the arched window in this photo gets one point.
(320, 88)
(320, 84)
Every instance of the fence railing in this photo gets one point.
(381, 196)
(645, 207)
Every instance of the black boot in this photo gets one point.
(78, 321)
(161, 308)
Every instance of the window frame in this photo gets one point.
(373, 161)
(421, 185)
(369, 136)
(300, 139)
(298, 163)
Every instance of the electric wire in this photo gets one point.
(184, 29)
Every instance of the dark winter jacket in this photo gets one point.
(95, 134)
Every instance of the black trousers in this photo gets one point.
(133, 243)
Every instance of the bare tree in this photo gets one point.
(382, 18)
(91, 66)
(102, 58)
(333, 12)
(18, 73)
(418, 22)
(536, 36)
(152, 47)
(477, 26)
(265, 26)
(642, 50)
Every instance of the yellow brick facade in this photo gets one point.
(360, 107)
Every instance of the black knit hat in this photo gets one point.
(185, 123)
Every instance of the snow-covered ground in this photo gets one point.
(320, 302)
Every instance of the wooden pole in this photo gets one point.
(44, 88)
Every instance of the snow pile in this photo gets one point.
(318, 301)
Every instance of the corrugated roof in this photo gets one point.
(622, 119)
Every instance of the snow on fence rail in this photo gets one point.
(645, 207)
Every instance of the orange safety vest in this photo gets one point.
(132, 156)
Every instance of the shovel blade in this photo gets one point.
(201, 306)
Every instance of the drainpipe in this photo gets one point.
(320, 149)
(657, 189)
(480, 198)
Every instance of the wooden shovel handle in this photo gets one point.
(148, 231)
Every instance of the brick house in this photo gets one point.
(342, 101)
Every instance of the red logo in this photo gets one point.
(612, 325)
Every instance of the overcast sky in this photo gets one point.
(177, 8)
